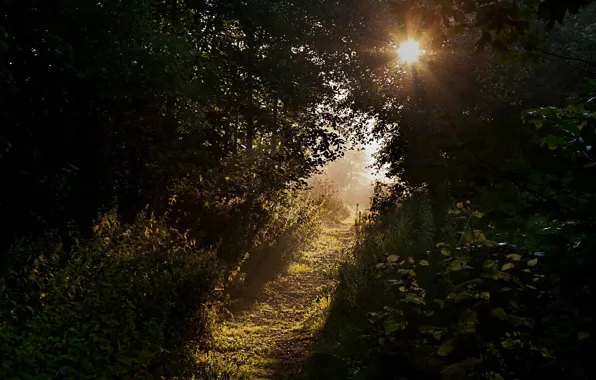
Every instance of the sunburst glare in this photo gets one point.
(409, 51)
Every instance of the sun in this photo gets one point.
(409, 51)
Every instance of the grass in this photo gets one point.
(296, 268)
(272, 336)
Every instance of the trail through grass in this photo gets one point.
(268, 335)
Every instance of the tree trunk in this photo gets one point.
(275, 128)
(249, 115)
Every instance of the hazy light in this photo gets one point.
(409, 51)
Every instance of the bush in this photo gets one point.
(468, 306)
(112, 310)
(132, 300)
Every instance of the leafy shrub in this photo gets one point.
(470, 306)
(132, 300)
(112, 310)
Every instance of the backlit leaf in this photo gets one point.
(507, 266)
(479, 235)
(455, 267)
(391, 325)
(499, 312)
(477, 214)
(446, 348)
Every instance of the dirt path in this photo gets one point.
(272, 338)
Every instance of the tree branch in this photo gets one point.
(567, 58)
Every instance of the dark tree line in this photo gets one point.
(192, 121)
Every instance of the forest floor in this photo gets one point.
(269, 334)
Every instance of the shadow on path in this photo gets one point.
(271, 333)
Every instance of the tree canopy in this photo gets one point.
(153, 150)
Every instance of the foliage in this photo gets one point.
(210, 112)
(472, 306)
(129, 301)
(504, 25)
(503, 289)
(147, 97)
(214, 113)
(113, 310)
(328, 196)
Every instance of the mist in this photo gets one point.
(350, 178)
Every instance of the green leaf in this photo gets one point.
(532, 262)
(499, 312)
(424, 263)
(125, 360)
(583, 335)
(43, 376)
(413, 298)
(446, 348)
(571, 127)
(546, 353)
(479, 235)
(407, 271)
(467, 321)
(87, 366)
(446, 251)
(436, 332)
(537, 123)
(553, 142)
(514, 257)
(391, 325)
(455, 266)
(507, 266)
(477, 214)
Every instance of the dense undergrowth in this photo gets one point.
(476, 259)
(134, 300)
(463, 299)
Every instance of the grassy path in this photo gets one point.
(272, 337)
